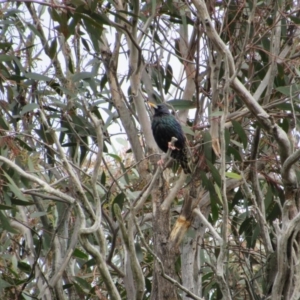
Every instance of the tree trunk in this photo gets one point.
(162, 289)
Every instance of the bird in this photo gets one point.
(164, 127)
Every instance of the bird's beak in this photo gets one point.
(152, 104)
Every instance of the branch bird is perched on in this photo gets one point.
(164, 127)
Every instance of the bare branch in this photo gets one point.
(283, 237)
(64, 261)
(208, 225)
(275, 48)
(40, 182)
(112, 290)
(255, 108)
(223, 247)
(288, 164)
(128, 238)
(173, 192)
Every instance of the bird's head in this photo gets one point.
(160, 109)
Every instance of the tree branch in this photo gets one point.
(128, 239)
(106, 276)
(208, 225)
(283, 237)
(255, 108)
(40, 182)
(173, 192)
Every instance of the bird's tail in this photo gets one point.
(181, 155)
(185, 165)
(184, 161)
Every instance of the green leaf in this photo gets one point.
(23, 144)
(21, 202)
(5, 45)
(168, 78)
(207, 145)
(245, 225)
(70, 65)
(82, 75)
(53, 48)
(213, 196)
(274, 209)
(4, 220)
(103, 178)
(123, 142)
(214, 172)
(119, 201)
(90, 263)
(254, 235)
(92, 84)
(85, 44)
(241, 132)
(29, 107)
(4, 284)
(214, 208)
(92, 19)
(182, 104)
(175, 18)
(289, 90)
(38, 214)
(295, 19)
(217, 113)
(55, 15)
(4, 57)
(218, 192)
(233, 175)
(56, 87)
(3, 124)
(103, 81)
(61, 129)
(157, 74)
(26, 297)
(238, 144)
(139, 252)
(266, 43)
(24, 267)
(235, 153)
(5, 207)
(288, 106)
(79, 289)
(116, 157)
(83, 283)
(79, 254)
(269, 197)
(188, 130)
(37, 76)
(34, 30)
(14, 188)
(65, 286)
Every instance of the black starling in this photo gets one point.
(164, 127)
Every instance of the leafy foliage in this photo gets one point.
(84, 210)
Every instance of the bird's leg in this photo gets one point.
(171, 147)
(161, 162)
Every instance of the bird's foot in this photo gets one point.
(172, 147)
